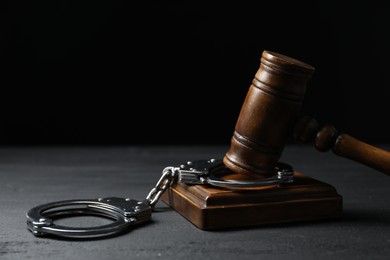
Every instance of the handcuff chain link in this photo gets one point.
(167, 179)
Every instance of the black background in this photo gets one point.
(117, 72)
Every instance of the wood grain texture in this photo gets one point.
(211, 208)
(270, 109)
(354, 149)
(328, 138)
(30, 176)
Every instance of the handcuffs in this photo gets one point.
(127, 212)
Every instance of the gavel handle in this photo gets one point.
(342, 144)
(354, 149)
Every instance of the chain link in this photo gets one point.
(169, 176)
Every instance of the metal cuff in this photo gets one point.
(206, 171)
(124, 212)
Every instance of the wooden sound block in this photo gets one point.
(211, 208)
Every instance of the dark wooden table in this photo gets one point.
(30, 176)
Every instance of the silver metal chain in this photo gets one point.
(128, 212)
(168, 178)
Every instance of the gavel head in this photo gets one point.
(271, 106)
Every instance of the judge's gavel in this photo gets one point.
(307, 130)
(271, 113)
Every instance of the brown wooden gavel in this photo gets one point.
(271, 113)
(307, 130)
